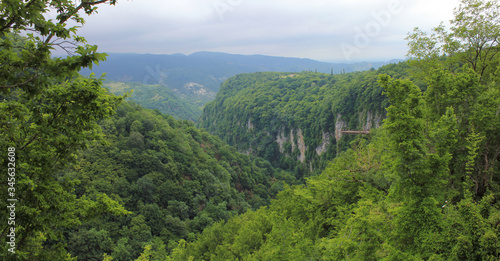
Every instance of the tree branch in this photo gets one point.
(31, 141)
(13, 19)
(75, 11)
(19, 84)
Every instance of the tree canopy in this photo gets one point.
(48, 112)
(472, 39)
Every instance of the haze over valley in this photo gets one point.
(181, 85)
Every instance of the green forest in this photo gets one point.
(265, 173)
(252, 111)
(157, 97)
(173, 179)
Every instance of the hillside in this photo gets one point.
(195, 79)
(157, 97)
(174, 180)
(295, 120)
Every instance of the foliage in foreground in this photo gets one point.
(47, 113)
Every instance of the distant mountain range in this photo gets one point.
(196, 78)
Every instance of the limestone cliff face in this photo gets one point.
(292, 138)
(302, 146)
(250, 125)
(339, 126)
(299, 143)
(366, 121)
(324, 143)
(370, 120)
(281, 139)
(296, 140)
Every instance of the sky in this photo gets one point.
(323, 30)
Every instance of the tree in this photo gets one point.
(460, 68)
(47, 113)
(473, 39)
(27, 62)
(92, 243)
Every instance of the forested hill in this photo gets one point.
(174, 179)
(193, 80)
(157, 97)
(295, 120)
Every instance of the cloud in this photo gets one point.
(308, 29)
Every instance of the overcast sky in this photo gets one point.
(324, 30)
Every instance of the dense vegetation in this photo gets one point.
(94, 177)
(254, 111)
(157, 97)
(173, 178)
(48, 112)
(425, 186)
(362, 207)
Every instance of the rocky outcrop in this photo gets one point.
(250, 125)
(339, 126)
(302, 146)
(366, 121)
(370, 120)
(282, 139)
(324, 143)
(295, 138)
